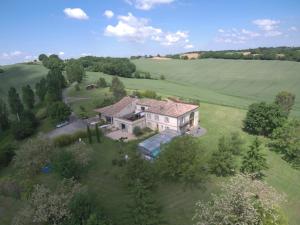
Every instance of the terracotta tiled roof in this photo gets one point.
(114, 109)
(168, 108)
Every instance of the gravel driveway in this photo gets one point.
(75, 124)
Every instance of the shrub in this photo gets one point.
(6, 155)
(10, 188)
(41, 113)
(65, 165)
(263, 118)
(2, 70)
(68, 139)
(77, 87)
(137, 131)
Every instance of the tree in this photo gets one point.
(4, 121)
(286, 141)
(81, 207)
(181, 160)
(53, 62)
(144, 209)
(14, 101)
(74, 71)
(28, 96)
(236, 143)
(117, 88)
(242, 201)
(254, 162)
(59, 111)
(98, 135)
(46, 206)
(102, 83)
(32, 156)
(263, 118)
(42, 57)
(41, 89)
(222, 162)
(162, 77)
(285, 100)
(65, 165)
(89, 134)
(55, 83)
(25, 126)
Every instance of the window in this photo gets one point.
(156, 117)
(143, 108)
(167, 119)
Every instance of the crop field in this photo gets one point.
(230, 82)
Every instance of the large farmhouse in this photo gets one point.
(159, 115)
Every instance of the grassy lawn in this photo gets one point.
(222, 82)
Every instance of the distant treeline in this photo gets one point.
(279, 53)
(114, 66)
(272, 53)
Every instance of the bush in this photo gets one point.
(77, 87)
(10, 188)
(59, 111)
(137, 131)
(68, 139)
(65, 165)
(41, 113)
(6, 155)
(262, 118)
(2, 70)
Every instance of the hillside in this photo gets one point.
(18, 75)
(230, 82)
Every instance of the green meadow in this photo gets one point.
(224, 87)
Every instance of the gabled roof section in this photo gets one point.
(167, 108)
(114, 109)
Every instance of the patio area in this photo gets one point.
(119, 134)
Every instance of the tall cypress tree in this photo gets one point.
(28, 96)
(4, 121)
(14, 101)
(97, 133)
(254, 162)
(89, 134)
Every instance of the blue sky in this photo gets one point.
(73, 28)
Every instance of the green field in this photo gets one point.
(178, 204)
(18, 75)
(229, 82)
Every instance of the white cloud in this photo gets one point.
(131, 28)
(235, 36)
(293, 28)
(266, 24)
(11, 55)
(61, 53)
(76, 13)
(189, 46)
(250, 33)
(221, 30)
(273, 33)
(109, 14)
(85, 54)
(16, 53)
(147, 4)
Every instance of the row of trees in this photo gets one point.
(280, 53)
(114, 66)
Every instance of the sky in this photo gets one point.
(74, 28)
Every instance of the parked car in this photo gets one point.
(62, 124)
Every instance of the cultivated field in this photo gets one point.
(230, 82)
